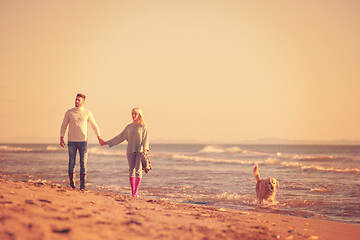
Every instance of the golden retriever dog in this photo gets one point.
(265, 188)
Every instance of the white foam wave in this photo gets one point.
(207, 159)
(319, 168)
(325, 158)
(301, 203)
(243, 160)
(321, 190)
(52, 148)
(231, 152)
(6, 148)
(226, 196)
(236, 150)
(248, 199)
(218, 149)
(37, 181)
(113, 188)
(272, 161)
(212, 149)
(314, 158)
(104, 152)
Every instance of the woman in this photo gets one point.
(137, 137)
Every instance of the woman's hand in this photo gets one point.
(102, 142)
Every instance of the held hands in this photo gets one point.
(102, 142)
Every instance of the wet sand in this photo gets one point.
(51, 211)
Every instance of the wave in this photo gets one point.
(42, 149)
(212, 149)
(313, 158)
(207, 159)
(247, 198)
(56, 149)
(104, 152)
(220, 155)
(217, 150)
(321, 190)
(270, 161)
(5, 148)
(52, 148)
(301, 203)
(37, 181)
(225, 155)
(326, 158)
(304, 162)
(319, 168)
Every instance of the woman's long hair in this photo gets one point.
(141, 117)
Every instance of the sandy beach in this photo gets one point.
(52, 211)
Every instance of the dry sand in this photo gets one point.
(51, 211)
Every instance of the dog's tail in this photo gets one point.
(256, 173)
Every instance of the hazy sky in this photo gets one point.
(223, 71)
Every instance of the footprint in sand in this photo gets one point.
(29, 201)
(133, 222)
(61, 218)
(104, 223)
(259, 227)
(83, 216)
(64, 230)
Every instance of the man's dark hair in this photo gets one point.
(81, 95)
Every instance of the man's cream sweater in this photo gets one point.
(77, 119)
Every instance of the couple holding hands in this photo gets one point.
(134, 133)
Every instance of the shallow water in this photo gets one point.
(320, 182)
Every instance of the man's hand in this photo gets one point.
(102, 142)
(62, 142)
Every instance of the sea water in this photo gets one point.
(321, 182)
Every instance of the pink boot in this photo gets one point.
(137, 186)
(132, 185)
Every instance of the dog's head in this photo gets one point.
(271, 184)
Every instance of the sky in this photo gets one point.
(202, 71)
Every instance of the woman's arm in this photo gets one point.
(145, 140)
(118, 139)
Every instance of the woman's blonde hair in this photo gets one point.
(138, 110)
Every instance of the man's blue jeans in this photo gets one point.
(83, 151)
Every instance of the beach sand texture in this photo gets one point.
(52, 211)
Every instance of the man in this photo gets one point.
(78, 118)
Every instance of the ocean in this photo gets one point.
(319, 182)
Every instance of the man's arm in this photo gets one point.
(63, 129)
(96, 129)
